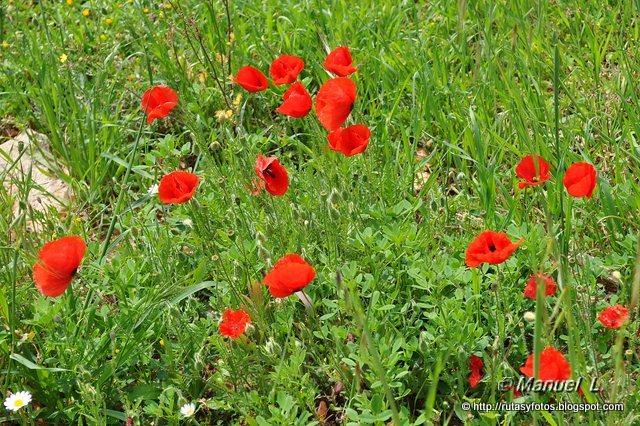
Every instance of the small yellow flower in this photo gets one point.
(85, 12)
(237, 100)
(5, 44)
(103, 37)
(70, 2)
(54, 236)
(109, 21)
(145, 10)
(223, 115)
(232, 36)
(132, 77)
(78, 219)
(161, 342)
(63, 58)
(169, 6)
(117, 351)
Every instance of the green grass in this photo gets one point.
(396, 313)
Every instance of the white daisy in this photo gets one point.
(153, 189)
(188, 410)
(17, 400)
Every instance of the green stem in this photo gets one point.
(123, 187)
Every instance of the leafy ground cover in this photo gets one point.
(406, 318)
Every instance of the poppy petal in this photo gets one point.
(158, 101)
(251, 79)
(285, 69)
(339, 62)
(351, 140)
(289, 275)
(177, 187)
(296, 101)
(580, 180)
(334, 102)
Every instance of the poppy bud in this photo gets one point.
(215, 146)
(529, 316)
(260, 238)
(334, 197)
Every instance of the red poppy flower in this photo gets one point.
(177, 187)
(158, 101)
(339, 62)
(490, 247)
(350, 140)
(580, 180)
(234, 323)
(532, 174)
(273, 174)
(285, 69)
(475, 364)
(290, 274)
(614, 316)
(296, 101)
(334, 102)
(58, 263)
(531, 290)
(553, 366)
(251, 79)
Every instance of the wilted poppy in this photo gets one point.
(290, 274)
(158, 101)
(553, 366)
(251, 79)
(177, 187)
(334, 102)
(59, 261)
(475, 364)
(255, 186)
(533, 174)
(273, 174)
(339, 62)
(490, 247)
(285, 69)
(234, 323)
(350, 140)
(531, 289)
(614, 316)
(296, 101)
(580, 180)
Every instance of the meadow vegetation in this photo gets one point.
(397, 326)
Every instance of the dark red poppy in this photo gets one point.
(350, 140)
(531, 289)
(296, 101)
(59, 261)
(533, 174)
(339, 62)
(290, 274)
(251, 79)
(334, 102)
(285, 69)
(553, 366)
(580, 180)
(614, 316)
(490, 247)
(234, 323)
(475, 364)
(177, 187)
(158, 101)
(273, 174)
